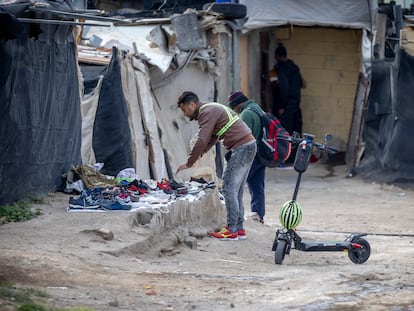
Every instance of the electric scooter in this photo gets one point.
(290, 214)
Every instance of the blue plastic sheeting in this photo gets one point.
(40, 120)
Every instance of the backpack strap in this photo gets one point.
(232, 118)
(260, 113)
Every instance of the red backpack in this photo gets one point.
(273, 146)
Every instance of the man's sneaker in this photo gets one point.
(114, 205)
(138, 186)
(123, 198)
(88, 199)
(225, 235)
(165, 186)
(242, 234)
(257, 218)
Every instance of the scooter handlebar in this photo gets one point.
(325, 148)
(296, 139)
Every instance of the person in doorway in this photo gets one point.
(287, 82)
(274, 86)
(256, 178)
(217, 122)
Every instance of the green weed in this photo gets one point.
(31, 306)
(17, 212)
(27, 299)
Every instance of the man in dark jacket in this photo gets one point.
(289, 84)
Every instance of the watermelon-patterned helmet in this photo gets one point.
(290, 214)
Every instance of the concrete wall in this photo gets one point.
(330, 61)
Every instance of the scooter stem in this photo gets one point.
(295, 193)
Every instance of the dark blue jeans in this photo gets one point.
(255, 181)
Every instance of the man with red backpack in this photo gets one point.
(256, 178)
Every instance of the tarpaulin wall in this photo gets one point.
(124, 132)
(389, 123)
(40, 121)
(111, 133)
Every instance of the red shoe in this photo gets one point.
(165, 186)
(242, 234)
(225, 235)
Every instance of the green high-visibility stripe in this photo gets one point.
(232, 118)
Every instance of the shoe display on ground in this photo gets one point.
(127, 192)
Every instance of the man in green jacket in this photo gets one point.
(256, 178)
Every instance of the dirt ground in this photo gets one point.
(55, 253)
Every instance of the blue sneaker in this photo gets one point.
(115, 204)
(88, 199)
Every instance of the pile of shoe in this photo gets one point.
(136, 189)
(123, 196)
(89, 199)
(115, 199)
(165, 186)
(107, 199)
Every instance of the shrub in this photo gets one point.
(19, 211)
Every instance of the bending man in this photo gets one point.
(218, 122)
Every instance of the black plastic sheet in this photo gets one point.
(111, 132)
(40, 120)
(389, 124)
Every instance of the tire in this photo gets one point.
(280, 251)
(360, 255)
(229, 10)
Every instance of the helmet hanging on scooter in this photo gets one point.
(290, 214)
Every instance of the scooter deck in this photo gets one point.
(323, 246)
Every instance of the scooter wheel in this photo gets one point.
(280, 251)
(360, 255)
